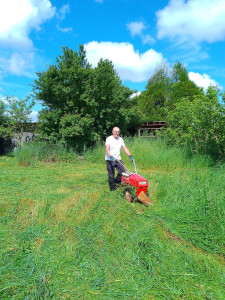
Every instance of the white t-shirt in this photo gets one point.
(115, 146)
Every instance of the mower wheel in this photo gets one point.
(127, 193)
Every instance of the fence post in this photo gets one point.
(84, 150)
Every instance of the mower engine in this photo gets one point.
(136, 188)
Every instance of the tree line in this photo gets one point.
(81, 104)
(196, 119)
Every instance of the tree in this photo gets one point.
(182, 86)
(113, 105)
(62, 85)
(81, 103)
(199, 124)
(62, 89)
(165, 89)
(2, 111)
(17, 114)
(152, 102)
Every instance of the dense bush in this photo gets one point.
(199, 125)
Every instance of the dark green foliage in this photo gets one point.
(165, 89)
(48, 124)
(199, 124)
(152, 102)
(181, 86)
(2, 110)
(62, 85)
(112, 100)
(195, 121)
(82, 103)
(63, 89)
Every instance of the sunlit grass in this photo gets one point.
(37, 151)
(63, 235)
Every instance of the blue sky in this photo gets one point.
(136, 35)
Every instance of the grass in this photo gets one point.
(63, 235)
(37, 151)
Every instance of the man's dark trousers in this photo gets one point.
(111, 166)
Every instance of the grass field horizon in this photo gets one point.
(64, 235)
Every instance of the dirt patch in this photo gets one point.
(170, 235)
(60, 210)
(28, 210)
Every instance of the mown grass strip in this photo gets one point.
(65, 236)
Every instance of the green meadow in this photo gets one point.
(64, 235)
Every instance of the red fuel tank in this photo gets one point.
(137, 180)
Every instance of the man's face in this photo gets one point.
(116, 132)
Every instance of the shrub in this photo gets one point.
(198, 125)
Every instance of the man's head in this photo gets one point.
(116, 132)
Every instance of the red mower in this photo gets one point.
(136, 186)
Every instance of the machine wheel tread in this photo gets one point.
(127, 193)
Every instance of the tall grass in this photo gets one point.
(64, 235)
(149, 152)
(188, 192)
(155, 153)
(37, 151)
(192, 206)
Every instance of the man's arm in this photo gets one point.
(107, 150)
(128, 153)
(126, 150)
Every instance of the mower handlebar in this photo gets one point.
(116, 160)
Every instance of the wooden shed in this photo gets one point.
(149, 129)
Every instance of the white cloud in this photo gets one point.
(19, 17)
(66, 29)
(203, 81)
(65, 9)
(34, 116)
(135, 94)
(192, 20)
(147, 39)
(136, 28)
(130, 64)
(18, 64)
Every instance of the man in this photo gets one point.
(113, 145)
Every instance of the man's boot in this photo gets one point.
(112, 186)
(118, 179)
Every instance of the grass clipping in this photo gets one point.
(142, 197)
